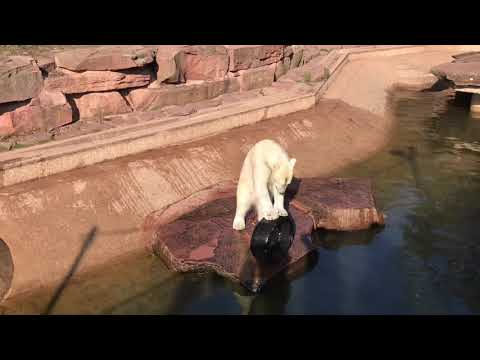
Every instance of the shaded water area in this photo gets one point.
(425, 261)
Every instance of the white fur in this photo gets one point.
(266, 172)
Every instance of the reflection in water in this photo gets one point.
(425, 260)
(335, 240)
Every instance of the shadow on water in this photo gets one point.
(335, 240)
(276, 295)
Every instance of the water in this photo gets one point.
(426, 260)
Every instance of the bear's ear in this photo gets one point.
(292, 163)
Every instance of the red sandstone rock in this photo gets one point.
(205, 62)
(339, 204)
(70, 82)
(47, 111)
(461, 73)
(156, 98)
(169, 60)
(117, 57)
(282, 67)
(101, 104)
(244, 57)
(314, 71)
(312, 51)
(297, 57)
(256, 78)
(6, 125)
(288, 51)
(20, 79)
(46, 64)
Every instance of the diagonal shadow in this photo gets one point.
(86, 244)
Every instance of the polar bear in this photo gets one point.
(266, 172)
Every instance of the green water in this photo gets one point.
(426, 260)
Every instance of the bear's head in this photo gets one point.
(282, 175)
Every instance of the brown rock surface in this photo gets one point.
(47, 111)
(205, 62)
(117, 57)
(149, 99)
(196, 235)
(460, 73)
(244, 57)
(339, 204)
(101, 104)
(45, 63)
(6, 125)
(314, 71)
(169, 59)
(297, 57)
(20, 79)
(70, 82)
(256, 78)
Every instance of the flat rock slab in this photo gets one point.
(460, 73)
(339, 204)
(20, 79)
(196, 235)
(70, 82)
(118, 57)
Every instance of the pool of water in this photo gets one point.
(426, 260)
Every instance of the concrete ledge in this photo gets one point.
(52, 158)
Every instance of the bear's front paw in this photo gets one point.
(238, 224)
(282, 212)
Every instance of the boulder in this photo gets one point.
(460, 73)
(149, 99)
(244, 57)
(338, 204)
(282, 67)
(288, 51)
(46, 64)
(297, 57)
(45, 112)
(100, 104)
(70, 82)
(20, 79)
(205, 62)
(117, 57)
(6, 125)
(169, 61)
(314, 71)
(256, 78)
(310, 52)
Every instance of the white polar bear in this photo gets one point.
(266, 172)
